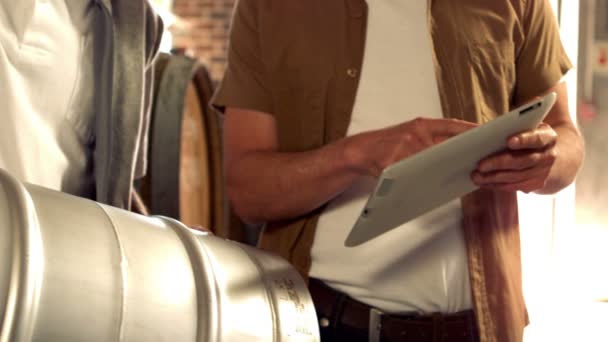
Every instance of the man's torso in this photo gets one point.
(420, 266)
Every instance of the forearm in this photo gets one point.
(272, 186)
(570, 155)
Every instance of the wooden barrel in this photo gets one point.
(184, 179)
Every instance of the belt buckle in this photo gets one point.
(375, 325)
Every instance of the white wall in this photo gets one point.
(559, 271)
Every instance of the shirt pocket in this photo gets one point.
(492, 76)
(299, 108)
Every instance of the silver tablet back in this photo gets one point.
(439, 174)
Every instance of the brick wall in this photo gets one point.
(202, 28)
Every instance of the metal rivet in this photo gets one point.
(352, 72)
(324, 322)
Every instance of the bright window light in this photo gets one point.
(563, 271)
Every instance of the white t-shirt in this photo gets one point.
(420, 266)
(48, 71)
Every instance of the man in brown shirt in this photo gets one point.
(289, 94)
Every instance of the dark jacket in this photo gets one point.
(121, 135)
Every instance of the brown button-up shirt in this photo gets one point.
(299, 60)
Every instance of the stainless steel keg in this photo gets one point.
(76, 270)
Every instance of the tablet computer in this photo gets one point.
(439, 174)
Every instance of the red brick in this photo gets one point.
(204, 31)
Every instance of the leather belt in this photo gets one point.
(336, 312)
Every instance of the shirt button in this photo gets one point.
(352, 72)
(324, 322)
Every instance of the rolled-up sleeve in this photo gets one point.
(542, 61)
(245, 84)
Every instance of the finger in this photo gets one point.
(517, 160)
(448, 128)
(510, 177)
(452, 127)
(428, 131)
(420, 134)
(541, 137)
